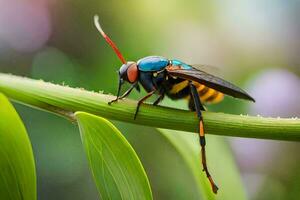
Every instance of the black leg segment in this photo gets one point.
(159, 99)
(126, 93)
(119, 90)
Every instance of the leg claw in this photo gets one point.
(112, 101)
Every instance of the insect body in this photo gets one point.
(177, 80)
(173, 86)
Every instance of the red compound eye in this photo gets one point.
(132, 73)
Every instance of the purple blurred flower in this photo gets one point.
(277, 94)
(25, 25)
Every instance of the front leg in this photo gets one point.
(141, 101)
(123, 95)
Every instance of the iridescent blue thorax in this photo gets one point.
(157, 63)
(179, 63)
(152, 63)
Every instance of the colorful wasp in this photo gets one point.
(177, 80)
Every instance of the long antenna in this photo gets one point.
(108, 40)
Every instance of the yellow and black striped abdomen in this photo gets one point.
(208, 95)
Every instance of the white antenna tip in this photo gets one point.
(97, 24)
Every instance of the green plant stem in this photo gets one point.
(64, 100)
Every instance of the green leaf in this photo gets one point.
(116, 168)
(220, 163)
(17, 168)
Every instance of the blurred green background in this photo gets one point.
(255, 44)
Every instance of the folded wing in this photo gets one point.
(210, 81)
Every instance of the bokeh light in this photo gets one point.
(26, 25)
(277, 93)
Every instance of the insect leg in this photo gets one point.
(192, 106)
(118, 93)
(141, 101)
(198, 107)
(160, 97)
(126, 93)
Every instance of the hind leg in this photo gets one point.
(192, 105)
(198, 106)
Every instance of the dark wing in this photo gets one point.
(210, 81)
(207, 68)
